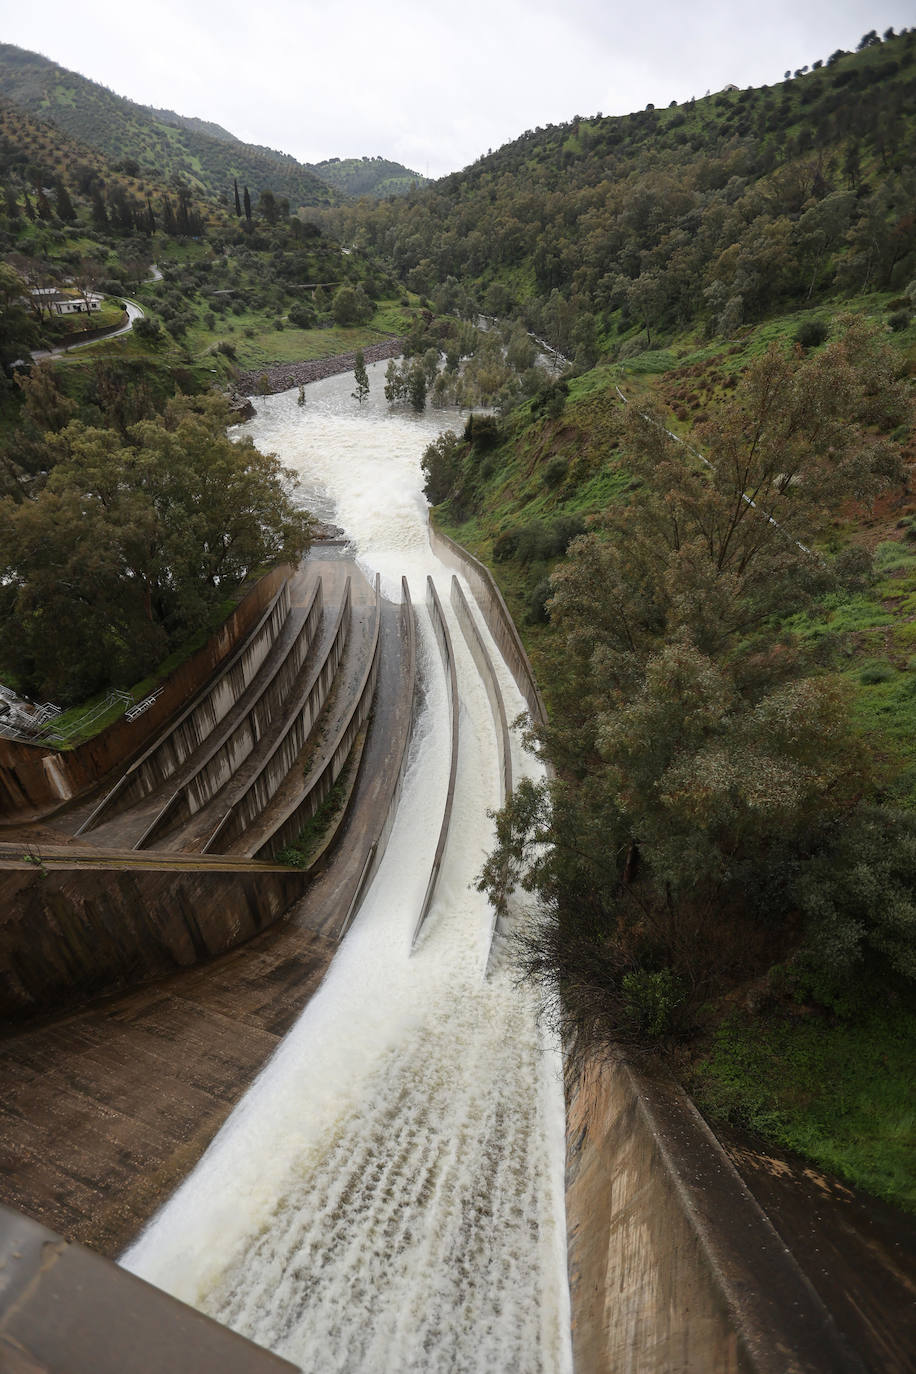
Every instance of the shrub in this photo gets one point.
(148, 329)
(555, 472)
(536, 602)
(876, 672)
(811, 333)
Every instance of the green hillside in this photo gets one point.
(368, 176)
(608, 236)
(141, 140)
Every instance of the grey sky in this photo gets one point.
(430, 85)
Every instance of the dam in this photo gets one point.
(402, 1186)
(390, 1193)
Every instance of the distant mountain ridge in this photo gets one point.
(171, 147)
(202, 153)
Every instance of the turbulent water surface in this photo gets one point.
(388, 1195)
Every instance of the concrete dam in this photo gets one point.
(309, 1101)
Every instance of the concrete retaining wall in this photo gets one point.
(73, 933)
(197, 723)
(444, 639)
(487, 672)
(66, 1310)
(673, 1267)
(408, 632)
(230, 748)
(302, 716)
(33, 777)
(317, 788)
(495, 613)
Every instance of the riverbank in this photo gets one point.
(265, 381)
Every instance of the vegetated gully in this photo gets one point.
(389, 1194)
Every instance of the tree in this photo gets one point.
(238, 206)
(360, 377)
(267, 204)
(17, 330)
(133, 542)
(698, 762)
(246, 199)
(65, 210)
(441, 465)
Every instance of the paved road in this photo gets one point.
(134, 312)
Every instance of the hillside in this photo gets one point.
(141, 140)
(369, 176)
(609, 235)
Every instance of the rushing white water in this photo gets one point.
(389, 1194)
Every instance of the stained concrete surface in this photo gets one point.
(104, 1111)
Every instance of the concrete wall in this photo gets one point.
(294, 818)
(199, 720)
(484, 663)
(35, 778)
(495, 613)
(673, 1267)
(66, 1310)
(302, 715)
(444, 640)
(72, 933)
(229, 749)
(408, 657)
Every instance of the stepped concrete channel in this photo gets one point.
(675, 1263)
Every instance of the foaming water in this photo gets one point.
(389, 1194)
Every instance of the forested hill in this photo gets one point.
(610, 232)
(368, 176)
(152, 142)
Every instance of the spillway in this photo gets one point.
(389, 1194)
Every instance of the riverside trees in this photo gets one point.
(703, 767)
(133, 542)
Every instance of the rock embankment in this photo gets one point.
(282, 376)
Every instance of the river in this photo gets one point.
(388, 1196)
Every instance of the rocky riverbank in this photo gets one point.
(264, 381)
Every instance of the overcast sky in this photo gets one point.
(430, 85)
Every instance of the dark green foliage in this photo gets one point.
(441, 464)
(131, 543)
(812, 333)
(482, 432)
(718, 212)
(701, 771)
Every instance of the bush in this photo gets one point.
(811, 333)
(555, 472)
(899, 320)
(876, 672)
(148, 329)
(505, 546)
(482, 431)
